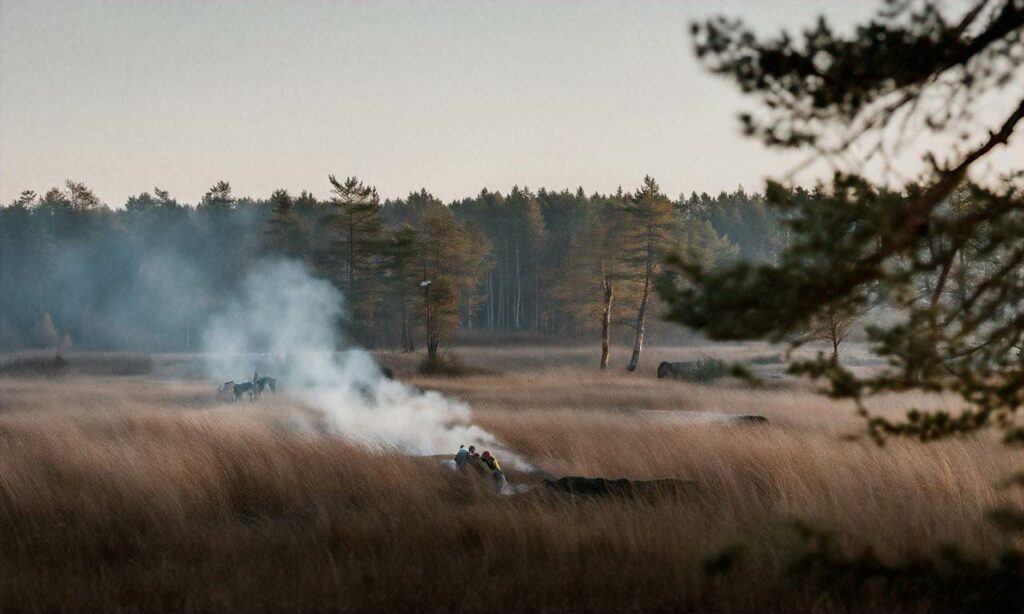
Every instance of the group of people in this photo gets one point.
(465, 456)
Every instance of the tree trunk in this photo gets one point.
(428, 316)
(835, 336)
(408, 345)
(501, 293)
(962, 279)
(519, 290)
(490, 299)
(641, 318)
(606, 323)
(351, 262)
(536, 295)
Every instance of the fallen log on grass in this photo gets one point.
(701, 417)
(598, 487)
(749, 420)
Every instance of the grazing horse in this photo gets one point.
(244, 388)
(225, 388)
(262, 383)
(238, 389)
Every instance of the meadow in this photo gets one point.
(128, 492)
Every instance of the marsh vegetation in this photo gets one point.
(145, 492)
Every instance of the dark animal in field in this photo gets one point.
(225, 388)
(749, 420)
(262, 383)
(237, 390)
(387, 373)
(244, 388)
(675, 370)
(599, 487)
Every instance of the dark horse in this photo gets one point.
(262, 383)
(238, 389)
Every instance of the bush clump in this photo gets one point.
(35, 366)
(708, 370)
(448, 366)
(767, 359)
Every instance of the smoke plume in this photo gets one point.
(286, 322)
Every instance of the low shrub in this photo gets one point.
(767, 359)
(35, 366)
(707, 370)
(448, 366)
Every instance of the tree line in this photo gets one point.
(413, 271)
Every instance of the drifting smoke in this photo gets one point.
(287, 321)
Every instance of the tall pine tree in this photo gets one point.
(356, 228)
(650, 230)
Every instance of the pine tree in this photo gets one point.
(564, 214)
(440, 295)
(597, 269)
(473, 262)
(356, 228)
(523, 242)
(839, 95)
(908, 74)
(402, 278)
(450, 257)
(285, 233)
(650, 229)
(218, 199)
(141, 204)
(46, 332)
(81, 196)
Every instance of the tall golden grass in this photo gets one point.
(124, 494)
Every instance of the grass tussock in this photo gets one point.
(767, 359)
(440, 365)
(705, 370)
(126, 494)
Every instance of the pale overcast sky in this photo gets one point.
(451, 96)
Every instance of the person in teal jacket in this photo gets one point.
(461, 455)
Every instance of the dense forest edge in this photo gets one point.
(415, 272)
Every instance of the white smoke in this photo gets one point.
(286, 321)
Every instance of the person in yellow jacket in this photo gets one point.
(492, 463)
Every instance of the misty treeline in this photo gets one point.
(413, 271)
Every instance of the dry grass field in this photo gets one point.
(128, 493)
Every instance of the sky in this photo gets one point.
(450, 96)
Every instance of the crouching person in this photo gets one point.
(461, 455)
(496, 474)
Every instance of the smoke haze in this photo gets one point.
(287, 320)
